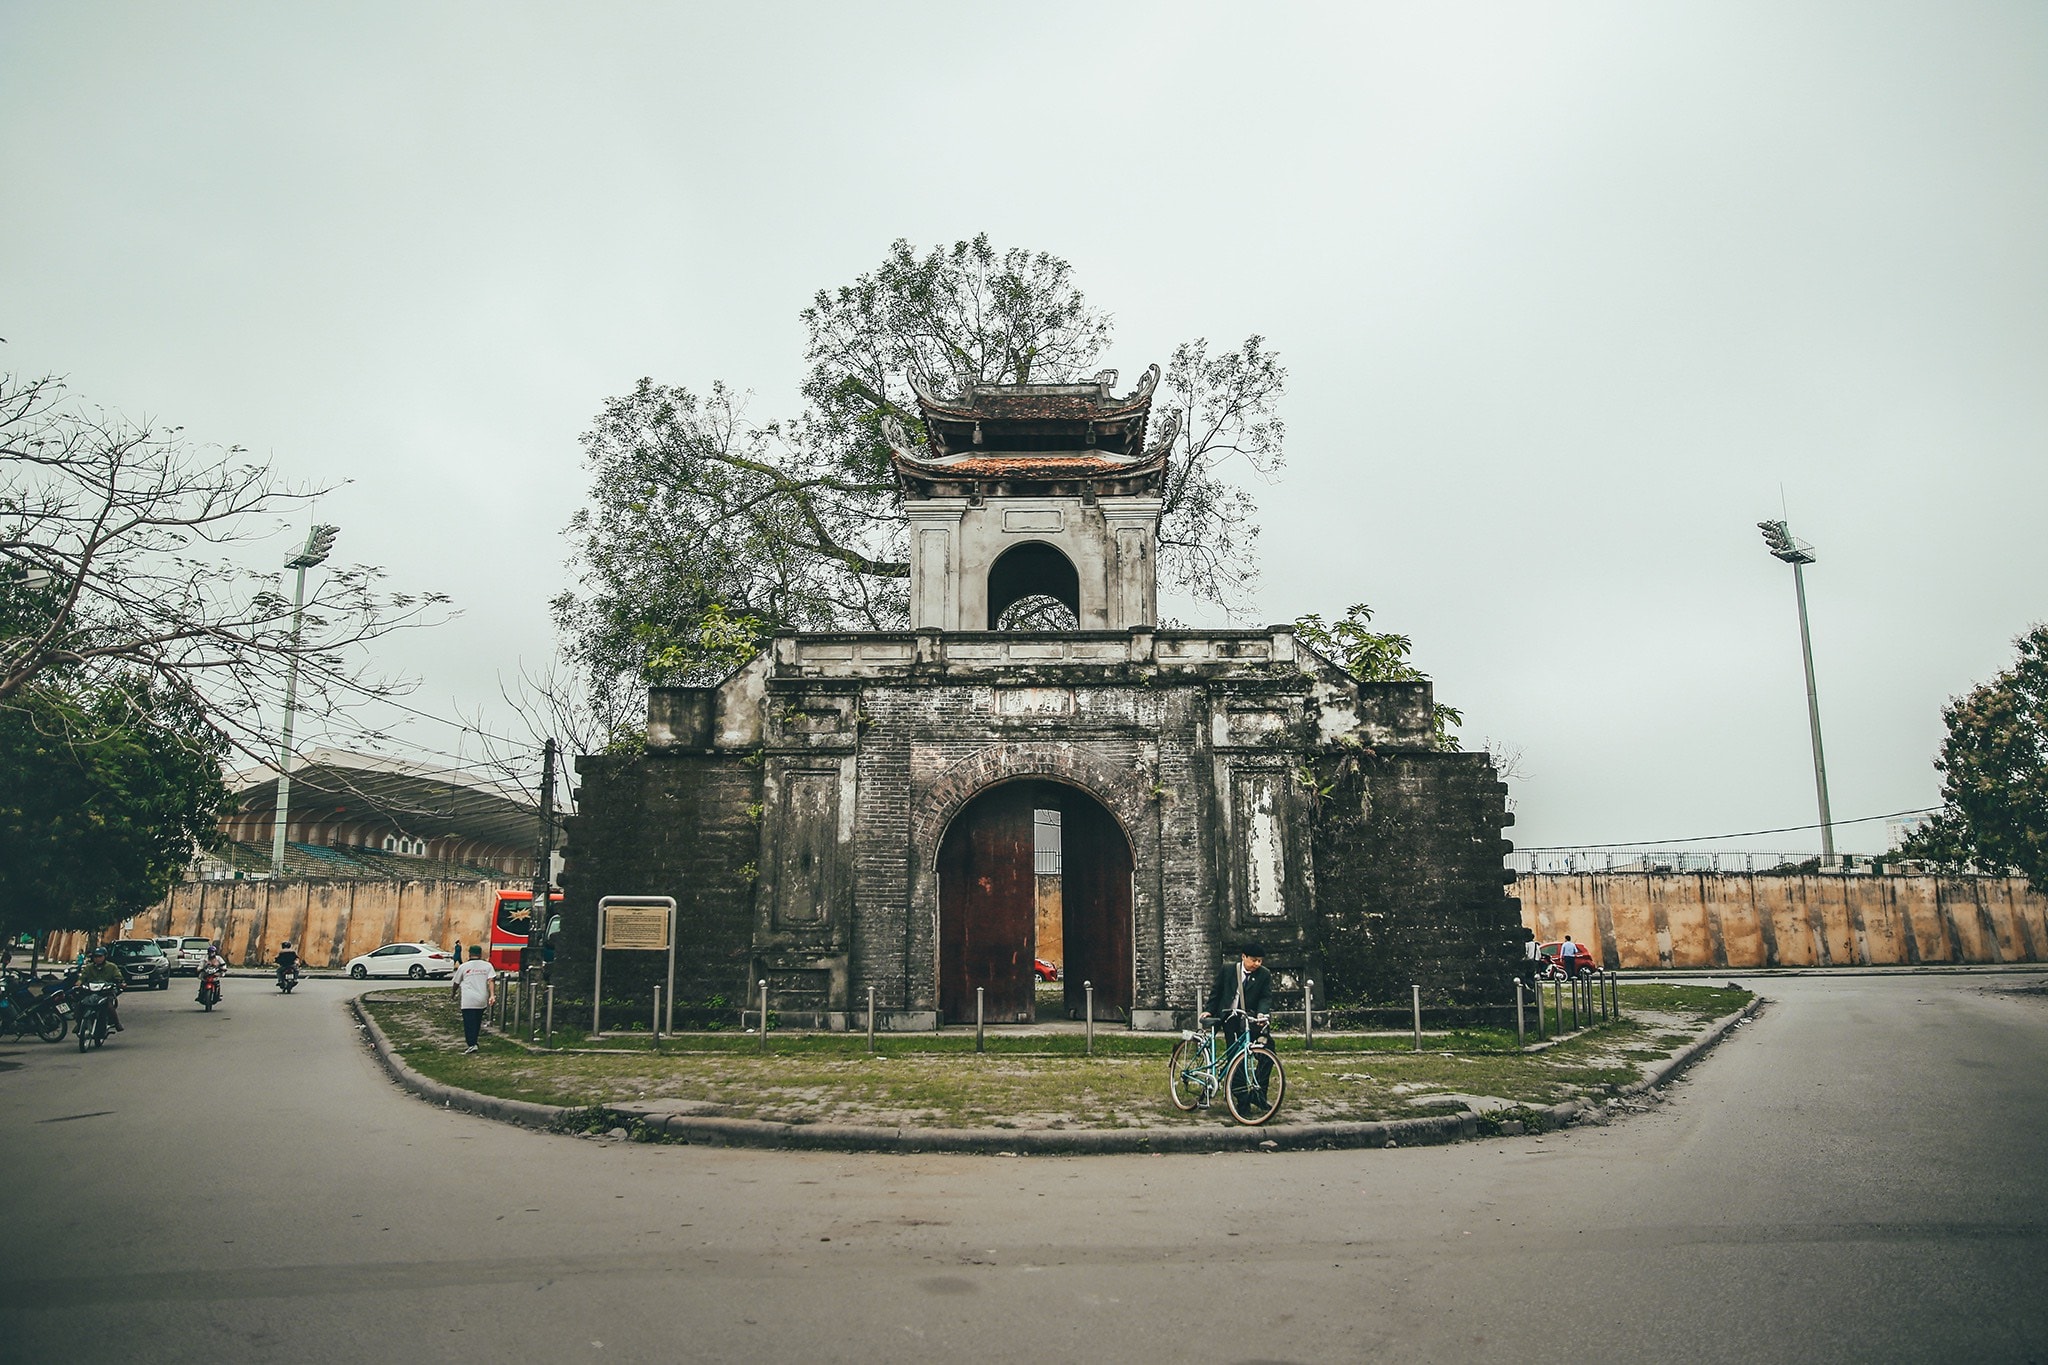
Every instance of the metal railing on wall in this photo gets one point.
(1603, 860)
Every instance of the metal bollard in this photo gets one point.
(1308, 1016)
(1417, 990)
(1521, 1025)
(871, 1021)
(551, 1017)
(764, 1014)
(978, 992)
(1088, 1013)
(654, 1025)
(1557, 1005)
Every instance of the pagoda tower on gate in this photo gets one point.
(1037, 495)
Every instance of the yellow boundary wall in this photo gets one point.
(1739, 919)
(329, 921)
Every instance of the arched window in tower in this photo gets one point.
(1033, 587)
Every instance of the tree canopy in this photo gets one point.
(1994, 767)
(707, 528)
(137, 652)
(102, 799)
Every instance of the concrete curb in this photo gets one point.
(521, 1112)
(710, 1131)
(1562, 1115)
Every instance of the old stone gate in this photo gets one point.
(872, 809)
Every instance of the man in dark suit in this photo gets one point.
(1241, 998)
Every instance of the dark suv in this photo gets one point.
(142, 963)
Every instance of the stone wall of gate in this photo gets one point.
(330, 921)
(1735, 919)
(1410, 886)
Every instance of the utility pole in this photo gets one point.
(319, 541)
(1797, 553)
(544, 868)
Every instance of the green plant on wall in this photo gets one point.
(1374, 656)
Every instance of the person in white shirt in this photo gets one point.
(474, 989)
(1568, 956)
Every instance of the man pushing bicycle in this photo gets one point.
(1242, 998)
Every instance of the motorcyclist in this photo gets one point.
(98, 970)
(287, 962)
(215, 966)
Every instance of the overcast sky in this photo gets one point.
(1567, 294)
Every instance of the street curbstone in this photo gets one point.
(713, 1131)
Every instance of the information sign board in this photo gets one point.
(637, 926)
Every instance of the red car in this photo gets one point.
(1045, 971)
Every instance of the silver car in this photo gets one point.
(189, 956)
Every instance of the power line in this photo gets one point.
(1709, 838)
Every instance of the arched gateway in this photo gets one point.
(996, 878)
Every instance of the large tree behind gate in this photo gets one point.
(707, 528)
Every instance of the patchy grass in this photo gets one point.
(1044, 1081)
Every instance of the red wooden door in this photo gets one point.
(1096, 888)
(988, 906)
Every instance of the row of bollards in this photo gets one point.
(1592, 997)
(525, 1007)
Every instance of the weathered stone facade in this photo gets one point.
(840, 814)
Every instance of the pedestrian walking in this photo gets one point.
(475, 991)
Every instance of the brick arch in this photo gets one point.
(1123, 789)
(1120, 789)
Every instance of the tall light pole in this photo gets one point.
(1798, 554)
(319, 541)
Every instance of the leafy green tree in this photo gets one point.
(102, 800)
(1994, 767)
(1373, 656)
(707, 530)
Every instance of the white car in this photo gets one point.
(416, 960)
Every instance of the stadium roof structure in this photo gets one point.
(330, 785)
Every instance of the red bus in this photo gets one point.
(512, 925)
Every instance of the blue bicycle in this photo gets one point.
(1199, 1069)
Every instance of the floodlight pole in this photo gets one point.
(1778, 536)
(319, 541)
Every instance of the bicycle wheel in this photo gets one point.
(1185, 1074)
(1248, 1104)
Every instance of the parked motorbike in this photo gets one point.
(95, 1008)
(287, 977)
(209, 988)
(38, 1007)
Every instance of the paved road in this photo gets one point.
(1860, 1175)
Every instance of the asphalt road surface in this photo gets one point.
(1859, 1175)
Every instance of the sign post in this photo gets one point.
(635, 924)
